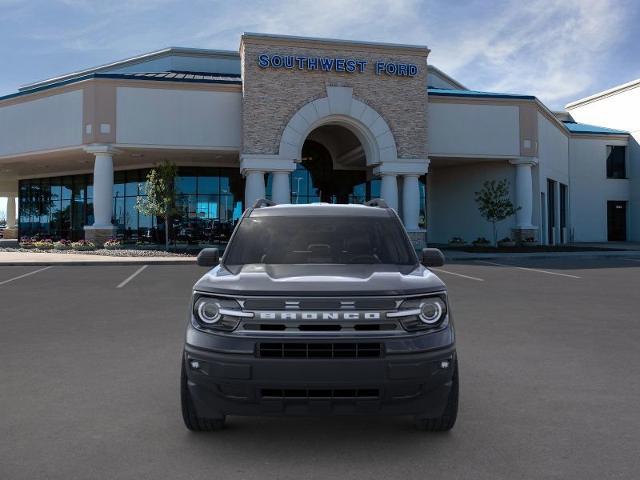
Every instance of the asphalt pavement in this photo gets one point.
(549, 365)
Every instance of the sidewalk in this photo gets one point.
(32, 258)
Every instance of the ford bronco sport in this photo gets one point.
(319, 309)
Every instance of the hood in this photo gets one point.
(317, 280)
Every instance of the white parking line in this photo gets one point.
(633, 259)
(25, 275)
(132, 276)
(439, 270)
(528, 269)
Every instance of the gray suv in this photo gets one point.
(319, 310)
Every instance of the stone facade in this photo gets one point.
(271, 96)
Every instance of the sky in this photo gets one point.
(557, 50)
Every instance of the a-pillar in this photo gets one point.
(524, 198)
(102, 228)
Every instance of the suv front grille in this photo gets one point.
(320, 304)
(319, 350)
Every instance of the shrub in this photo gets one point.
(457, 241)
(62, 245)
(43, 244)
(481, 241)
(26, 242)
(112, 244)
(83, 245)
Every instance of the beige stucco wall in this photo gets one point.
(272, 96)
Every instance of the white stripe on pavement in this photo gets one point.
(25, 275)
(528, 269)
(439, 270)
(633, 259)
(132, 276)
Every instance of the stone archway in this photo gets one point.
(340, 108)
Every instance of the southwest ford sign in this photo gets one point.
(331, 64)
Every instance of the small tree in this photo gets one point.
(160, 197)
(494, 203)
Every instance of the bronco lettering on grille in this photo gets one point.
(319, 315)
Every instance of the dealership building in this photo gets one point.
(302, 120)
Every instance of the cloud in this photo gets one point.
(556, 49)
(547, 48)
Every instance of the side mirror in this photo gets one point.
(432, 257)
(208, 257)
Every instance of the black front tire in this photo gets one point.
(191, 419)
(448, 418)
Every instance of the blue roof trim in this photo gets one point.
(444, 92)
(227, 79)
(575, 127)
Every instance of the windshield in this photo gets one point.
(319, 239)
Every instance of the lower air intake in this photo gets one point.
(319, 350)
(320, 393)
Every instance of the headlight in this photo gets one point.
(432, 310)
(208, 311)
(422, 313)
(217, 313)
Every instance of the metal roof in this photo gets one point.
(145, 57)
(173, 76)
(176, 75)
(575, 127)
(444, 92)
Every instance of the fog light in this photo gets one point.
(194, 364)
(444, 364)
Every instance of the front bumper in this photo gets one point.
(408, 378)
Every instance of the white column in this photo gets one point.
(389, 189)
(103, 189)
(410, 201)
(254, 187)
(280, 191)
(524, 192)
(11, 211)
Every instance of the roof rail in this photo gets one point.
(263, 202)
(377, 202)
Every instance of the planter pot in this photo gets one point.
(506, 244)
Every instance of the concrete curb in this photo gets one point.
(542, 255)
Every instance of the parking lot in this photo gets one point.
(549, 364)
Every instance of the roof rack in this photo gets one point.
(263, 202)
(377, 202)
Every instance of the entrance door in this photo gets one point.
(617, 221)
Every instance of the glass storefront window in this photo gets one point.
(209, 205)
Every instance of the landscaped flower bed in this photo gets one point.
(83, 245)
(62, 245)
(112, 244)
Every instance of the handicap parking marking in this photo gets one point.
(439, 270)
(528, 269)
(132, 276)
(25, 275)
